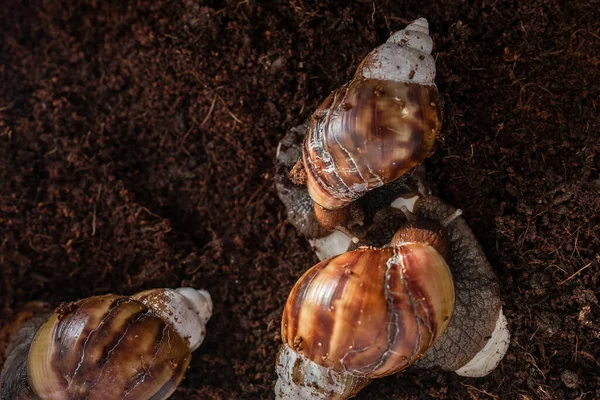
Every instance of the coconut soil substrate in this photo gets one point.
(137, 146)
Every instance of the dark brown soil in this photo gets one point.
(137, 145)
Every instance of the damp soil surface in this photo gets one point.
(137, 146)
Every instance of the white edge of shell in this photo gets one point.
(201, 303)
(317, 382)
(492, 353)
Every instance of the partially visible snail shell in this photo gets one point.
(361, 315)
(116, 347)
(373, 129)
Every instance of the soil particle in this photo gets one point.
(298, 174)
(570, 379)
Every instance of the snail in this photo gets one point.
(107, 347)
(375, 128)
(364, 314)
(371, 130)
(374, 311)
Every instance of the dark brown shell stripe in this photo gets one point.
(112, 345)
(173, 362)
(111, 359)
(119, 360)
(411, 323)
(389, 126)
(315, 320)
(396, 298)
(365, 311)
(422, 310)
(91, 340)
(140, 377)
(427, 284)
(289, 322)
(98, 341)
(65, 358)
(334, 130)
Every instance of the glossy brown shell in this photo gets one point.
(106, 347)
(365, 134)
(370, 312)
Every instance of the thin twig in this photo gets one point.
(229, 111)
(493, 396)
(210, 110)
(535, 365)
(94, 215)
(575, 274)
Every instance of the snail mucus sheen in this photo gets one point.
(108, 347)
(396, 284)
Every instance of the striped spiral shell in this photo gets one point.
(364, 314)
(373, 129)
(118, 347)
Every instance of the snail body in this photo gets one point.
(381, 124)
(365, 314)
(110, 347)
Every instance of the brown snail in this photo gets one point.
(364, 314)
(379, 125)
(108, 347)
(349, 320)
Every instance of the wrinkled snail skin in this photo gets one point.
(109, 347)
(362, 315)
(299, 205)
(378, 126)
(478, 319)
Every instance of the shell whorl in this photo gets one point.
(187, 310)
(405, 57)
(370, 312)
